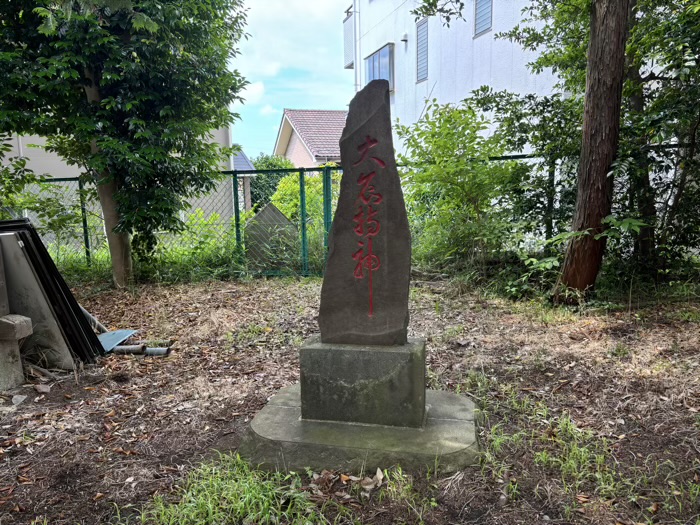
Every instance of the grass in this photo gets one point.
(518, 430)
(230, 491)
(400, 490)
(582, 430)
(620, 351)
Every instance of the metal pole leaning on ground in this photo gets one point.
(304, 243)
(327, 206)
(236, 209)
(83, 213)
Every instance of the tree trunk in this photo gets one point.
(119, 243)
(601, 128)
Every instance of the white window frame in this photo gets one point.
(368, 77)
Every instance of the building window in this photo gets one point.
(381, 65)
(482, 16)
(422, 50)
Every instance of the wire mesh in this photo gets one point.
(279, 228)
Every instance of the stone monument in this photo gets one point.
(270, 237)
(362, 401)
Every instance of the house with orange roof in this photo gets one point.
(310, 137)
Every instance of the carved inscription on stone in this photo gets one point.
(364, 299)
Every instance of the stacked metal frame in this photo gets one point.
(78, 333)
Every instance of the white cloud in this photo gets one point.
(268, 110)
(293, 58)
(304, 35)
(254, 92)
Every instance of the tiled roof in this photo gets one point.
(242, 162)
(319, 129)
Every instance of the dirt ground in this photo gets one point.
(103, 441)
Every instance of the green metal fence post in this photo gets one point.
(236, 210)
(327, 205)
(83, 213)
(304, 240)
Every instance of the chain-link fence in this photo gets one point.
(269, 222)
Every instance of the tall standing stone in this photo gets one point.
(361, 401)
(364, 299)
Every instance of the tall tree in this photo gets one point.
(601, 126)
(130, 90)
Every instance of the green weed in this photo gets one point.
(399, 488)
(620, 351)
(230, 491)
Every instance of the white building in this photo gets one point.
(425, 60)
(50, 164)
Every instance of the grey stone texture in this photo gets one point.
(12, 329)
(364, 298)
(278, 439)
(271, 240)
(382, 385)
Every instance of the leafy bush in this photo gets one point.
(458, 200)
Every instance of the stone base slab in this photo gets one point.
(278, 439)
(380, 385)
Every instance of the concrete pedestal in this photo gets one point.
(279, 439)
(362, 407)
(12, 329)
(381, 385)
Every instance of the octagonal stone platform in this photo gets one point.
(278, 439)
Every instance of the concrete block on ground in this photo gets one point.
(278, 439)
(12, 329)
(15, 327)
(381, 385)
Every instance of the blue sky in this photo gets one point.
(293, 58)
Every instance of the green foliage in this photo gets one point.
(22, 191)
(287, 199)
(230, 491)
(459, 201)
(264, 185)
(654, 224)
(445, 9)
(204, 250)
(15, 179)
(128, 88)
(550, 127)
(660, 96)
(287, 196)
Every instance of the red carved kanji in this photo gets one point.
(365, 260)
(368, 193)
(366, 224)
(364, 148)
